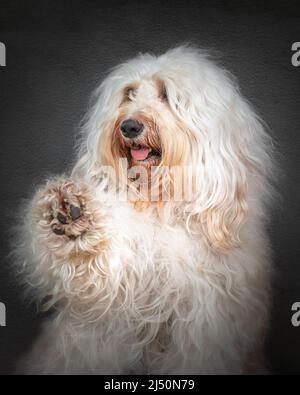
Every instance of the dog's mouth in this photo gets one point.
(142, 154)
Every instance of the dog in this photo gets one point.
(143, 282)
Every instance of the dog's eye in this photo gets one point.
(129, 94)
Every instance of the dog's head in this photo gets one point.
(181, 109)
(144, 124)
(144, 128)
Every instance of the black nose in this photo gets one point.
(131, 128)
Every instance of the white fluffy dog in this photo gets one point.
(156, 285)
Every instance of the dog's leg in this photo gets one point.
(65, 235)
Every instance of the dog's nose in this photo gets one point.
(131, 128)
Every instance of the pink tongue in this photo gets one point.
(140, 154)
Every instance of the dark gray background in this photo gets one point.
(57, 51)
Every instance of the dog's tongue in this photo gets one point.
(140, 153)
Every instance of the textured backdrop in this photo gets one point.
(57, 51)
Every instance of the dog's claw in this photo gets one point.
(75, 212)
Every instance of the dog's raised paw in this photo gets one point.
(67, 210)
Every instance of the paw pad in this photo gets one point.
(59, 231)
(68, 217)
(62, 219)
(75, 212)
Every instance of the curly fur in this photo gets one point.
(173, 287)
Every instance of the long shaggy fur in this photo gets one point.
(176, 287)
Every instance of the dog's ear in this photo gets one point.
(230, 165)
(229, 151)
(221, 204)
(222, 220)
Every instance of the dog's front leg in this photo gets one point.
(63, 239)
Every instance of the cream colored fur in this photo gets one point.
(173, 288)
